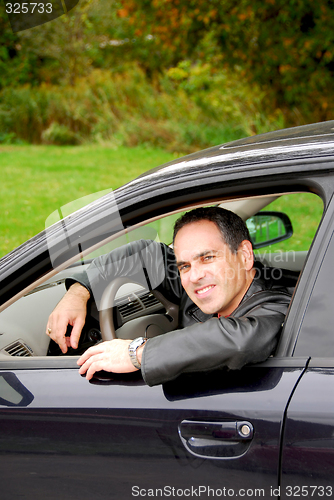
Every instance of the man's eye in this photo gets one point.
(207, 258)
(183, 268)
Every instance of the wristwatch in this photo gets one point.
(133, 346)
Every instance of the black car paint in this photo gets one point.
(62, 437)
(125, 422)
(307, 451)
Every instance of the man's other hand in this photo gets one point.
(71, 310)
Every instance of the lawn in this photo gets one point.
(37, 180)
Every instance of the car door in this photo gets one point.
(308, 445)
(206, 434)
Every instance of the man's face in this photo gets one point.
(214, 278)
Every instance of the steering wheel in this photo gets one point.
(163, 323)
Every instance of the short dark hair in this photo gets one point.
(233, 229)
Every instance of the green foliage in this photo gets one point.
(10, 138)
(60, 135)
(223, 94)
(287, 48)
(176, 72)
(56, 52)
(23, 112)
(201, 109)
(9, 44)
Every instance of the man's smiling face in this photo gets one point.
(215, 278)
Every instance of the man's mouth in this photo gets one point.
(204, 290)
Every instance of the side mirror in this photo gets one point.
(267, 228)
(13, 392)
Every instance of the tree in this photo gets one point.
(60, 51)
(287, 46)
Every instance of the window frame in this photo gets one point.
(303, 292)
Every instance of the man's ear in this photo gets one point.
(246, 250)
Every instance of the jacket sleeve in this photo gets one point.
(231, 342)
(146, 262)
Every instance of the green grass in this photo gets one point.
(37, 180)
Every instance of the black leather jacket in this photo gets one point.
(204, 342)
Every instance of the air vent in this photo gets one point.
(130, 307)
(18, 349)
(149, 300)
(136, 305)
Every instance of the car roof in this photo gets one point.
(273, 157)
(303, 142)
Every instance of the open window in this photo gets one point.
(23, 323)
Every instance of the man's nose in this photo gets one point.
(196, 273)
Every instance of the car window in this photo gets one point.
(160, 230)
(305, 211)
(316, 333)
(23, 323)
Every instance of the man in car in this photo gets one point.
(231, 310)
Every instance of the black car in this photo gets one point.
(266, 430)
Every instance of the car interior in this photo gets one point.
(277, 243)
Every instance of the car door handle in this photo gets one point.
(216, 439)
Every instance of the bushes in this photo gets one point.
(60, 135)
(188, 108)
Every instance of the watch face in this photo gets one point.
(137, 342)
